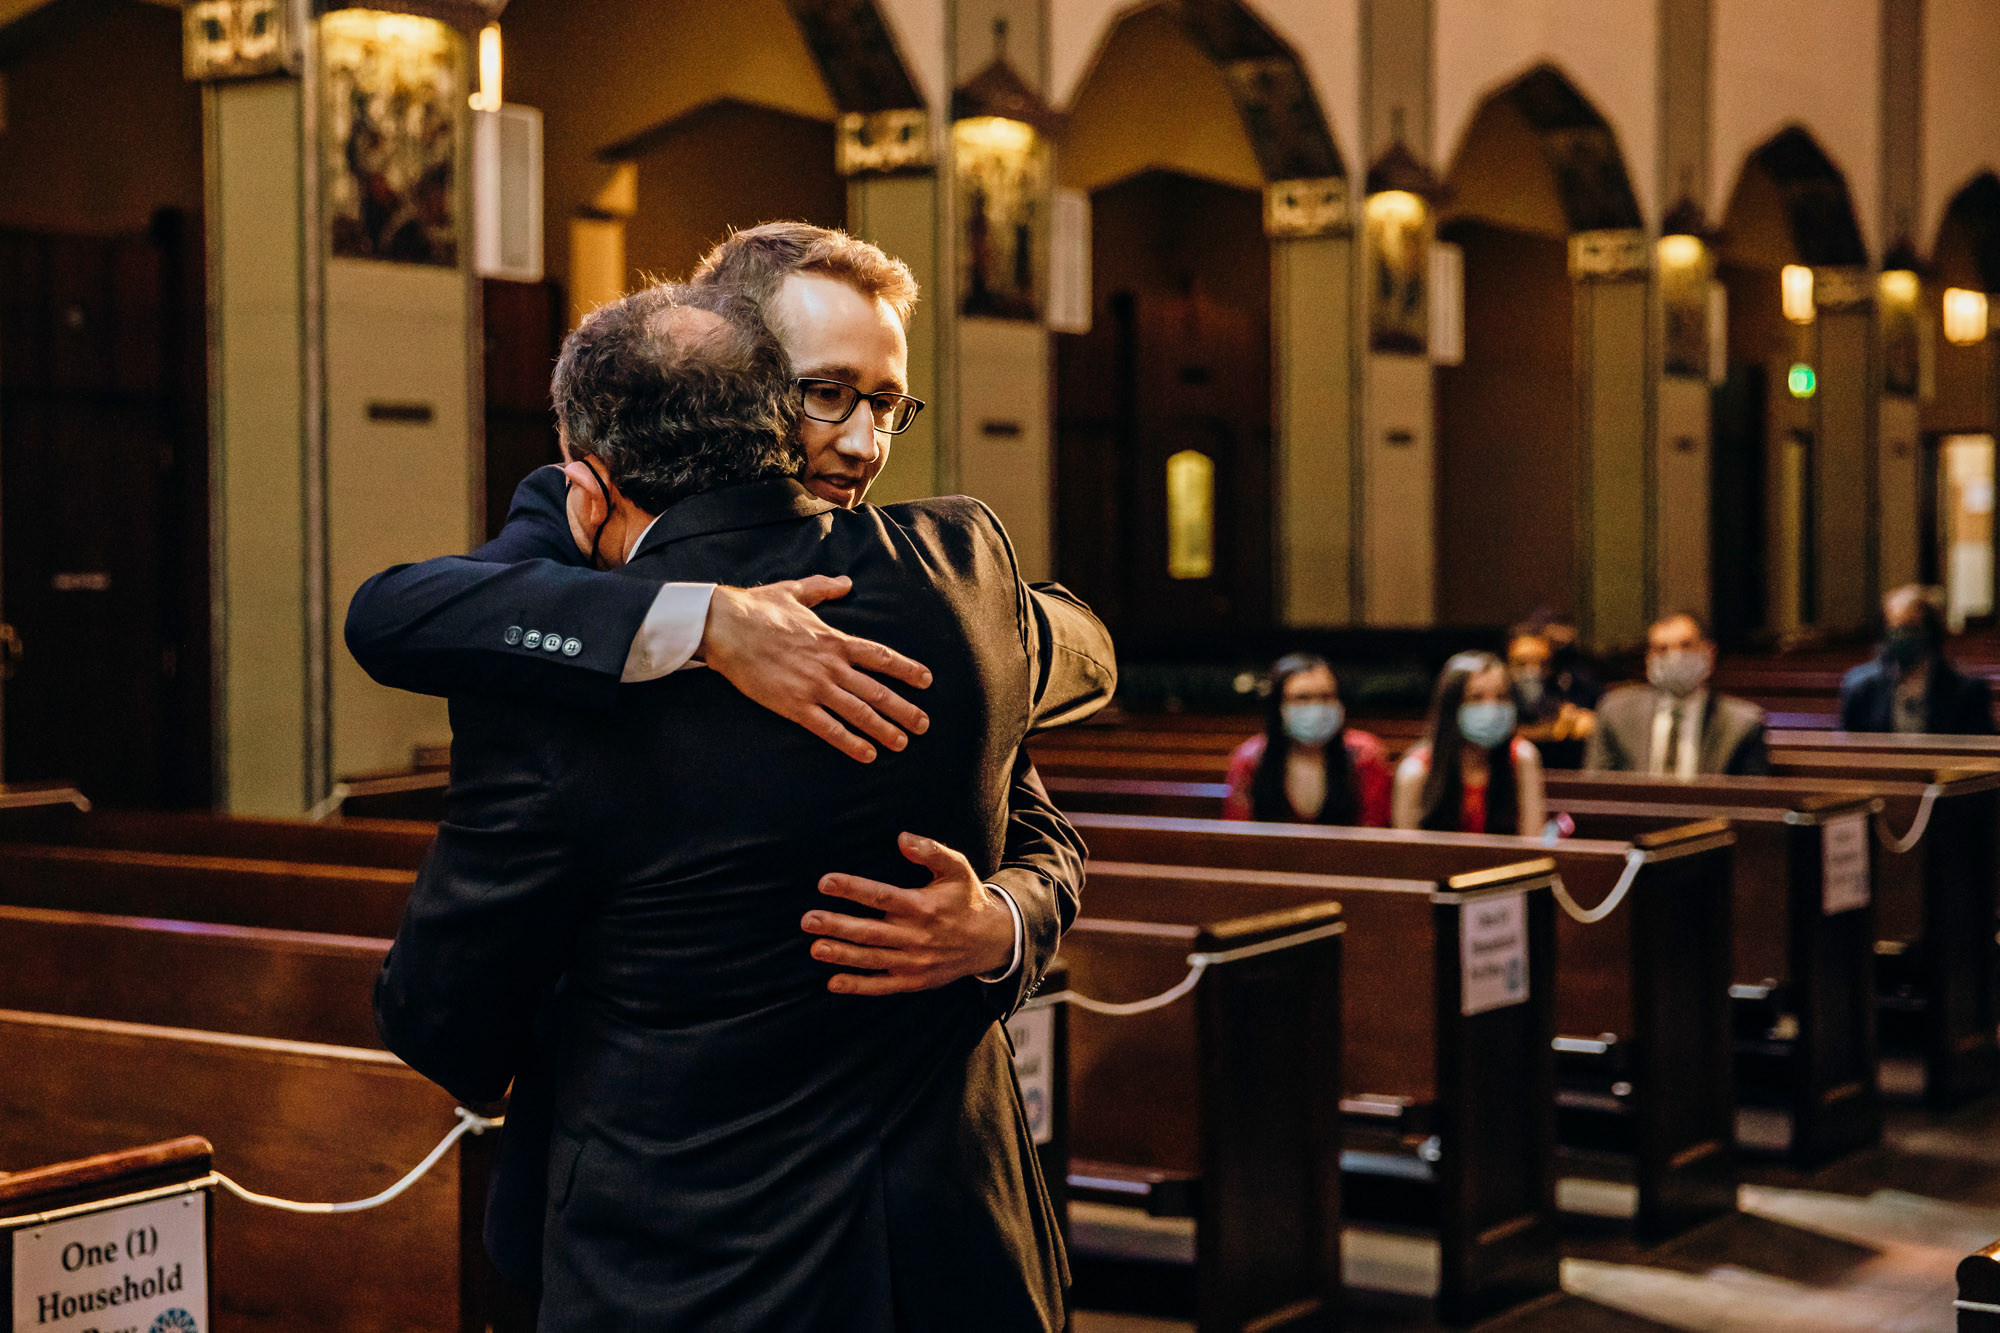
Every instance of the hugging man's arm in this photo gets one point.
(524, 617)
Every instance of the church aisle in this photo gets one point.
(1866, 1245)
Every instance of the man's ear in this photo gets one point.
(586, 506)
(592, 494)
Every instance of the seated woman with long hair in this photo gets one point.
(1471, 773)
(1309, 766)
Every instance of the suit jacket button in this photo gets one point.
(513, 635)
(571, 647)
(533, 639)
(552, 642)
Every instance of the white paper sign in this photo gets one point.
(1493, 952)
(1034, 1034)
(140, 1269)
(1843, 881)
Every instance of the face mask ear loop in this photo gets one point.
(598, 536)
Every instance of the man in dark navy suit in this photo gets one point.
(741, 1140)
(1912, 686)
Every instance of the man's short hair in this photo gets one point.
(1694, 618)
(678, 390)
(757, 261)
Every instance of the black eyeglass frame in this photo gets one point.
(805, 380)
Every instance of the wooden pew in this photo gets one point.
(1978, 1302)
(281, 895)
(242, 979)
(1449, 1122)
(297, 1119)
(1929, 904)
(383, 843)
(1222, 1106)
(1655, 972)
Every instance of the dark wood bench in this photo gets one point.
(1653, 974)
(243, 979)
(1937, 952)
(383, 843)
(1220, 1108)
(1978, 1302)
(1448, 1115)
(281, 895)
(296, 1119)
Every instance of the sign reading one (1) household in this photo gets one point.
(1493, 952)
(138, 1269)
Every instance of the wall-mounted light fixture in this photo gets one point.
(1795, 290)
(1681, 260)
(488, 98)
(1964, 316)
(1899, 293)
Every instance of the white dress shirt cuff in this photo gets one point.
(1020, 937)
(670, 635)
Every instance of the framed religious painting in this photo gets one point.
(390, 135)
(1002, 170)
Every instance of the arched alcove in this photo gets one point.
(1789, 480)
(1537, 165)
(692, 186)
(1189, 110)
(1956, 467)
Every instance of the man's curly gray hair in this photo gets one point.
(678, 390)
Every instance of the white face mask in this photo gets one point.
(1312, 723)
(1680, 672)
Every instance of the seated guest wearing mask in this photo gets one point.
(1308, 767)
(1675, 726)
(1911, 687)
(1471, 773)
(1552, 714)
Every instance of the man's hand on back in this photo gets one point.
(953, 927)
(769, 643)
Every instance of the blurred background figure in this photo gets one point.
(1471, 773)
(1675, 726)
(1911, 686)
(1308, 767)
(1556, 705)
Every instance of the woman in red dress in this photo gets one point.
(1472, 773)
(1309, 766)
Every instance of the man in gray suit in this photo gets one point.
(1675, 726)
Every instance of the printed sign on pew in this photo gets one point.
(1493, 953)
(142, 1268)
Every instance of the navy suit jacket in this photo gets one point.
(441, 627)
(1955, 704)
(735, 1146)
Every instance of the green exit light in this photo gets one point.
(1801, 381)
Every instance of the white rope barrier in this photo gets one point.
(1198, 963)
(468, 1123)
(1918, 827)
(1634, 859)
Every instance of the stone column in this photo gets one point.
(893, 200)
(1001, 446)
(1312, 328)
(1397, 439)
(1897, 457)
(269, 571)
(1614, 376)
(1843, 464)
(344, 404)
(1682, 420)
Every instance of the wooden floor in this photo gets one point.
(1867, 1245)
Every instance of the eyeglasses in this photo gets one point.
(832, 402)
